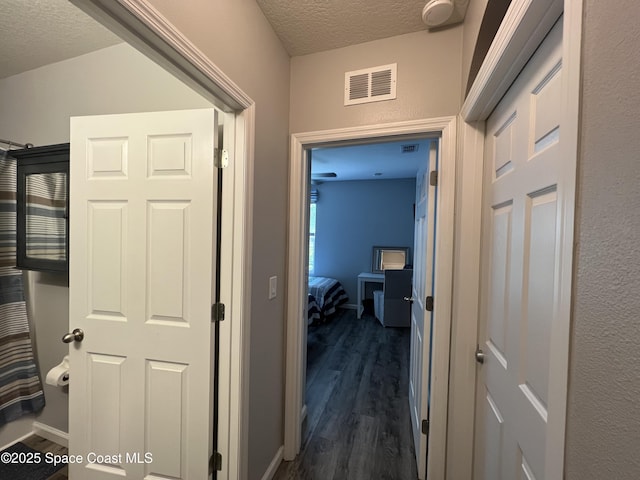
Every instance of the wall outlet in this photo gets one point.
(273, 287)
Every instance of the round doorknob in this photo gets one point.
(479, 355)
(76, 336)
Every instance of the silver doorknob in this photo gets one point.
(76, 336)
(479, 354)
(408, 299)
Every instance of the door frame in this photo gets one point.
(445, 129)
(523, 28)
(144, 28)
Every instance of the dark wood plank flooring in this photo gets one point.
(358, 424)
(43, 445)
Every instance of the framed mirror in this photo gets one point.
(42, 222)
(389, 258)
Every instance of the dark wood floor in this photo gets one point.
(43, 445)
(358, 424)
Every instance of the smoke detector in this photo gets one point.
(438, 13)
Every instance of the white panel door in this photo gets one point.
(420, 355)
(520, 269)
(141, 281)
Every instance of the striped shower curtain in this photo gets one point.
(20, 387)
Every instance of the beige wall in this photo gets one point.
(36, 107)
(235, 35)
(603, 422)
(428, 81)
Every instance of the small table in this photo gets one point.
(363, 278)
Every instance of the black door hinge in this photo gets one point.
(215, 462)
(425, 427)
(217, 312)
(428, 304)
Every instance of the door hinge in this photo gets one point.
(215, 462)
(221, 157)
(425, 427)
(217, 312)
(433, 178)
(428, 304)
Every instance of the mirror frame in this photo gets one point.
(49, 159)
(376, 256)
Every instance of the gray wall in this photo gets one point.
(236, 36)
(603, 422)
(429, 81)
(36, 107)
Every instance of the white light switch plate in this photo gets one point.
(273, 287)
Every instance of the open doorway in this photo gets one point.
(73, 98)
(301, 144)
(368, 204)
(362, 198)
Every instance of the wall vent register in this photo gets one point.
(370, 84)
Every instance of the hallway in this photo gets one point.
(358, 424)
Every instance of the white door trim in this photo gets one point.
(143, 27)
(524, 27)
(466, 270)
(444, 127)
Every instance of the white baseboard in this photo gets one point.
(348, 306)
(19, 439)
(51, 434)
(273, 466)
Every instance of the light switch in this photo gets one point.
(273, 287)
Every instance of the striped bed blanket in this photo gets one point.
(326, 294)
(313, 311)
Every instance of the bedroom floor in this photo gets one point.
(358, 424)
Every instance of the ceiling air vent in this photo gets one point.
(370, 85)
(410, 148)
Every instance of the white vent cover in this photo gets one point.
(370, 85)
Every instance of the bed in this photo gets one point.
(325, 295)
(313, 311)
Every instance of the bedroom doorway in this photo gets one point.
(362, 197)
(442, 129)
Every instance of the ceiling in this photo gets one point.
(34, 33)
(309, 26)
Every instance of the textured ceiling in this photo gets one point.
(34, 33)
(309, 26)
